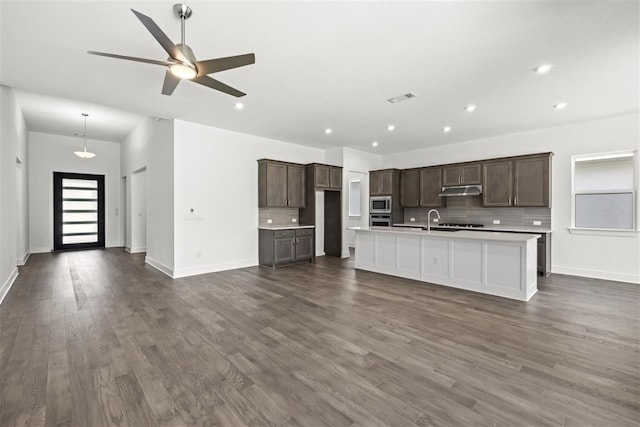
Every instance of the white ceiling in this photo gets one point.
(332, 64)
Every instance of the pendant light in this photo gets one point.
(84, 153)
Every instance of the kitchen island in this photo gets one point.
(502, 264)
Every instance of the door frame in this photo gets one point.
(57, 212)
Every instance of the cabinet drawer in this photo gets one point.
(304, 232)
(281, 234)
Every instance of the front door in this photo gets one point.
(78, 211)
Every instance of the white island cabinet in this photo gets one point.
(502, 264)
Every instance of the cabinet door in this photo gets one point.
(284, 250)
(375, 183)
(295, 186)
(497, 183)
(451, 175)
(304, 248)
(531, 181)
(386, 183)
(410, 188)
(276, 185)
(322, 176)
(430, 187)
(471, 174)
(335, 178)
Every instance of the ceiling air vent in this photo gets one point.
(399, 98)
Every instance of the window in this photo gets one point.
(354, 197)
(604, 191)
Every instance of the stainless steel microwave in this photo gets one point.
(380, 204)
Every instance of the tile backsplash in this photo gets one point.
(278, 216)
(469, 209)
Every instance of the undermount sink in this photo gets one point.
(442, 229)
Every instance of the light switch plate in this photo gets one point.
(294, 220)
(496, 221)
(436, 220)
(412, 219)
(269, 221)
(537, 222)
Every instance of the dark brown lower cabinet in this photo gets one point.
(283, 247)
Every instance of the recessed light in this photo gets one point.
(328, 131)
(374, 143)
(239, 105)
(446, 129)
(391, 128)
(469, 108)
(560, 105)
(542, 69)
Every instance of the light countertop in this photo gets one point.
(462, 234)
(283, 227)
(512, 228)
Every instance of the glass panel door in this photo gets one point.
(78, 211)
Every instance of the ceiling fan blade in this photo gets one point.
(161, 37)
(220, 64)
(217, 85)
(170, 83)
(129, 58)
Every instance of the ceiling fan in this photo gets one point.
(182, 63)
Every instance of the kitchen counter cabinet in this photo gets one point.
(280, 247)
(501, 264)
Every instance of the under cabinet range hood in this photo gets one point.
(461, 190)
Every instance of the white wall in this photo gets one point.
(356, 164)
(216, 175)
(54, 153)
(607, 257)
(150, 145)
(13, 230)
(138, 211)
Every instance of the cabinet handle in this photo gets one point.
(515, 200)
(509, 200)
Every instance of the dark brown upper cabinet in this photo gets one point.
(384, 182)
(532, 183)
(464, 174)
(497, 183)
(335, 178)
(410, 188)
(327, 177)
(430, 187)
(519, 181)
(295, 186)
(280, 184)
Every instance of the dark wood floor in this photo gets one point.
(97, 338)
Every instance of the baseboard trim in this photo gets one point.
(212, 268)
(6, 286)
(135, 250)
(40, 250)
(22, 261)
(596, 274)
(320, 253)
(346, 254)
(159, 266)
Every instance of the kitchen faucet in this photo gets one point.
(429, 219)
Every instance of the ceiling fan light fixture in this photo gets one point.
(183, 71)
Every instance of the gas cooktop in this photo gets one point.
(453, 224)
